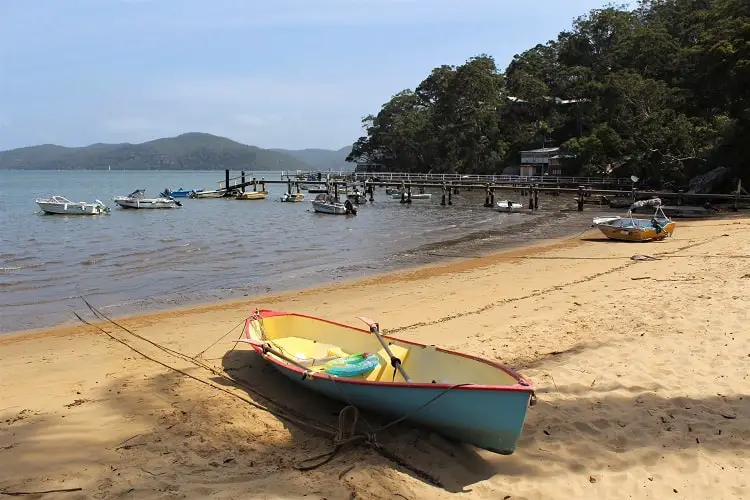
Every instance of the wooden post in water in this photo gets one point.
(226, 180)
(450, 196)
(255, 184)
(487, 196)
(580, 198)
(736, 204)
(531, 198)
(536, 197)
(243, 181)
(408, 193)
(492, 196)
(262, 183)
(442, 202)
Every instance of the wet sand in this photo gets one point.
(641, 369)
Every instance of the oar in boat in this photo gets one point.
(395, 362)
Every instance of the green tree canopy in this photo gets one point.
(661, 91)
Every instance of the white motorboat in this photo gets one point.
(137, 199)
(62, 205)
(508, 206)
(327, 204)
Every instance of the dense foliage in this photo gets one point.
(191, 151)
(661, 91)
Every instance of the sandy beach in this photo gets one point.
(641, 370)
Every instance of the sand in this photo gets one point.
(641, 369)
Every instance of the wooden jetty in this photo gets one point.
(586, 191)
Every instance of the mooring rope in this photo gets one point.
(339, 434)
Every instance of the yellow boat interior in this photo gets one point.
(313, 343)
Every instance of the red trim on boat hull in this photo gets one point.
(524, 384)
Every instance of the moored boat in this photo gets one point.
(62, 205)
(459, 396)
(414, 196)
(630, 228)
(137, 199)
(327, 204)
(292, 197)
(252, 195)
(179, 193)
(208, 193)
(508, 206)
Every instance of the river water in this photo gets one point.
(211, 249)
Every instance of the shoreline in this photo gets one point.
(639, 367)
(443, 266)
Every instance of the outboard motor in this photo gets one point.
(350, 208)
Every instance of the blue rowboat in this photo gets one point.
(180, 193)
(462, 397)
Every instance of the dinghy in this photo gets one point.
(137, 199)
(62, 205)
(292, 197)
(459, 396)
(414, 196)
(629, 228)
(208, 193)
(179, 193)
(508, 206)
(327, 204)
(253, 195)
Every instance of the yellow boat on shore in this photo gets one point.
(629, 228)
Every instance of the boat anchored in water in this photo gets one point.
(629, 228)
(292, 197)
(462, 397)
(62, 205)
(508, 206)
(137, 199)
(252, 195)
(324, 203)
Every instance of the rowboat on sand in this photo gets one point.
(459, 396)
(629, 228)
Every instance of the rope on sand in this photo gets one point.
(338, 434)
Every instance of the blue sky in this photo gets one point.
(272, 73)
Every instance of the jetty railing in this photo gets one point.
(496, 179)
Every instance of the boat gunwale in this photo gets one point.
(523, 385)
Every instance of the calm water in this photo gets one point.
(143, 260)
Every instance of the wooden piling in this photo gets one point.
(226, 180)
(243, 181)
(487, 196)
(580, 198)
(531, 198)
(536, 198)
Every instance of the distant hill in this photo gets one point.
(191, 151)
(321, 159)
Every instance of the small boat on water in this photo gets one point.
(62, 205)
(180, 193)
(357, 197)
(327, 204)
(292, 197)
(459, 396)
(208, 193)
(137, 199)
(414, 196)
(508, 206)
(252, 195)
(629, 228)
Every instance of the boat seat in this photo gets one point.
(384, 371)
(303, 349)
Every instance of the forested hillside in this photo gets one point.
(661, 91)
